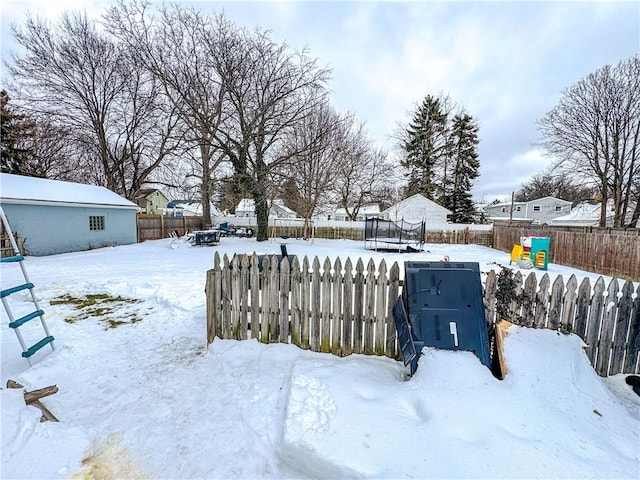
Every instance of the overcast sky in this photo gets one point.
(506, 63)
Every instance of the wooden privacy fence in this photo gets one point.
(342, 310)
(607, 251)
(155, 227)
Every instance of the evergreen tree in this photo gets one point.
(426, 145)
(14, 132)
(464, 159)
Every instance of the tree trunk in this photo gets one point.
(259, 192)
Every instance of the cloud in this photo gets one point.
(505, 62)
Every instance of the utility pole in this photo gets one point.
(511, 209)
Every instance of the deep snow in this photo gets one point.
(149, 399)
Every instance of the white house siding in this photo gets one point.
(415, 209)
(540, 210)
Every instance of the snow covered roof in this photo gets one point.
(42, 191)
(196, 207)
(248, 205)
(416, 198)
(536, 200)
(364, 209)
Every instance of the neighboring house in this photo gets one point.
(188, 209)
(582, 215)
(366, 211)
(587, 215)
(51, 217)
(151, 200)
(415, 209)
(537, 211)
(277, 209)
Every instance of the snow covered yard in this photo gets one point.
(141, 396)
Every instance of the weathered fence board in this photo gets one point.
(608, 324)
(625, 306)
(336, 320)
(569, 306)
(594, 320)
(633, 343)
(392, 295)
(347, 304)
(342, 310)
(582, 308)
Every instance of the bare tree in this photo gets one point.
(270, 90)
(552, 184)
(363, 171)
(594, 133)
(82, 80)
(186, 51)
(314, 151)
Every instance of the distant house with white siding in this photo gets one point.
(415, 209)
(366, 211)
(277, 209)
(540, 210)
(51, 217)
(588, 215)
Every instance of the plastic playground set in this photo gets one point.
(531, 252)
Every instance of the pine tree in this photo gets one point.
(464, 159)
(14, 131)
(426, 145)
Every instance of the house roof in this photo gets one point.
(508, 204)
(248, 205)
(32, 190)
(196, 207)
(412, 198)
(364, 209)
(146, 192)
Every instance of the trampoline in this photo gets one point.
(387, 235)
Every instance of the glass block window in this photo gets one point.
(96, 223)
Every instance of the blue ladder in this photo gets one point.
(16, 323)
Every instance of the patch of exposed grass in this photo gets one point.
(99, 305)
